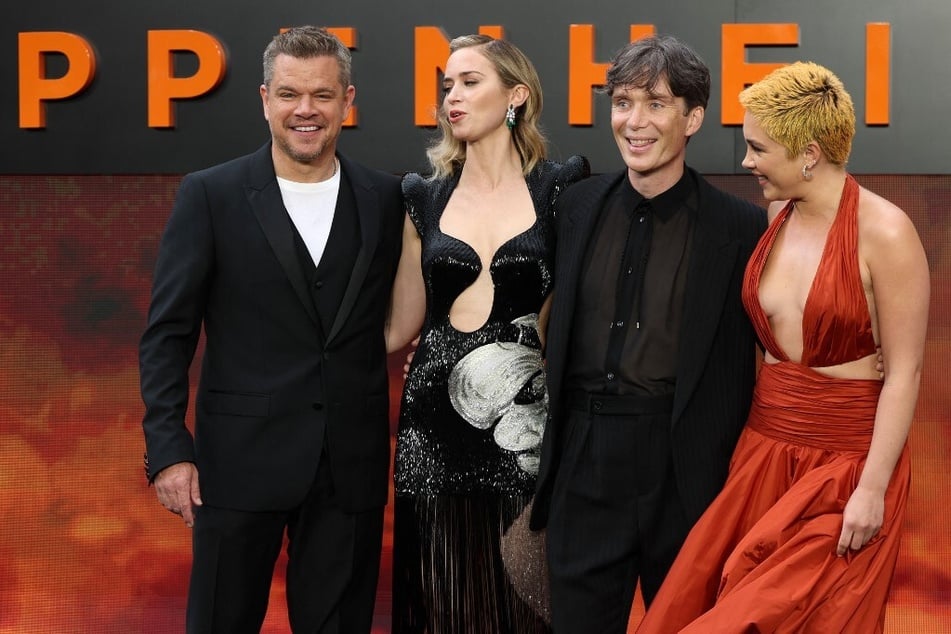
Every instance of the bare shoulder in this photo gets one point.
(882, 224)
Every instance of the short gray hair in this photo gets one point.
(304, 42)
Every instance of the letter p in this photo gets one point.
(35, 87)
(164, 86)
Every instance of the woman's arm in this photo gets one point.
(408, 301)
(543, 320)
(891, 252)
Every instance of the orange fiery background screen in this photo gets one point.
(84, 545)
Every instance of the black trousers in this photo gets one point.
(615, 515)
(332, 570)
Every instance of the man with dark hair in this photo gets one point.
(651, 358)
(286, 257)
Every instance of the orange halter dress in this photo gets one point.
(762, 558)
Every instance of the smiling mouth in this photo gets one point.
(640, 143)
(305, 128)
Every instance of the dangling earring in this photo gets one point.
(806, 171)
(510, 117)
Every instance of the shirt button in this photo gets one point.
(610, 376)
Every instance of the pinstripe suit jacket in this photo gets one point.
(717, 358)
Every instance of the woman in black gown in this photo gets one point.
(474, 282)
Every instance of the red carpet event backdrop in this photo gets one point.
(85, 546)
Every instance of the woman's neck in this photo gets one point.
(490, 163)
(821, 196)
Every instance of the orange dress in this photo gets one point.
(762, 558)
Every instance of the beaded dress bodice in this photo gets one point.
(474, 403)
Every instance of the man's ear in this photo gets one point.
(694, 120)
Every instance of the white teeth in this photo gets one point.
(306, 128)
(640, 142)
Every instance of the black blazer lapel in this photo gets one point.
(264, 196)
(575, 231)
(712, 263)
(368, 211)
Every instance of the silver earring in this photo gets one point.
(806, 173)
(510, 117)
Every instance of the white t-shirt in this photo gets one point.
(311, 208)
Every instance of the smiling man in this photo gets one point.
(286, 258)
(650, 355)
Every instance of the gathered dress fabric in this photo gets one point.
(471, 423)
(762, 557)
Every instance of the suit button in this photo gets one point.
(597, 405)
(318, 285)
(318, 406)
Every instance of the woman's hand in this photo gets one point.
(861, 519)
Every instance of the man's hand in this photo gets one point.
(177, 490)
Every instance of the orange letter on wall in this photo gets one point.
(584, 73)
(347, 35)
(35, 87)
(432, 51)
(737, 73)
(877, 72)
(641, 30)
(164, 86)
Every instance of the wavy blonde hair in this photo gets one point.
(800, 103)
(448, 154)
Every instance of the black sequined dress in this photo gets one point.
(471, 422)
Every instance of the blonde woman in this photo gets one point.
(474, 280)
(805, 534)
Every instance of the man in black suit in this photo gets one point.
(287, 257)
(651, 358)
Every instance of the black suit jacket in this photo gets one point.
(717, 357)
(278, 388)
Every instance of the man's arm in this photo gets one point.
(183, 271)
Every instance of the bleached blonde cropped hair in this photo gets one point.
(804, 102)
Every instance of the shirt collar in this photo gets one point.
(665, 204)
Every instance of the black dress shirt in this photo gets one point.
(627, 321)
